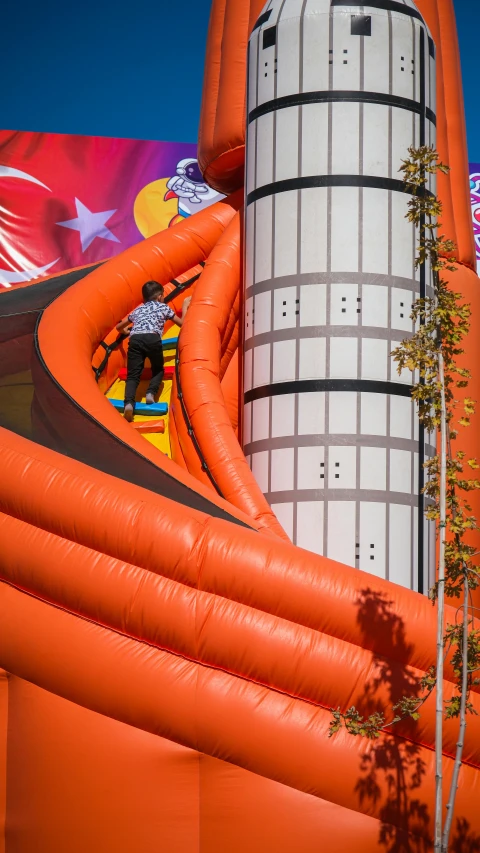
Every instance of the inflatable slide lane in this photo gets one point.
(184, 598)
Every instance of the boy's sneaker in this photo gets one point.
(149, 399)
(128, 412)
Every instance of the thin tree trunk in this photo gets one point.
(440, 617)
(463, 722)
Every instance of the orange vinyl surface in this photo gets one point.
(169, 660)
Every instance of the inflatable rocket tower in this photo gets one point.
(337, 92)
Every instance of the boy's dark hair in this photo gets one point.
(150, 290)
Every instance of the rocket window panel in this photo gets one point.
(431, 87)
(344, 305)
(372, 539)
(416, 425)
(430, 439)
(345, 67)
(247, 424)
(342, 415)
(249, 257)
(251, 156)
(311, 413)
(430, 555)
(286, 142)
(285, 308)
(284, 361)
(342, 467)
(401, 417)
(405, 376)
(252, 71)
(417, 57)
(361, 25)
(375, 306)
(400, 544)
(264, 149)
(373, 418)
(403, 242)
(284, 514)
(315, 52)
(260, 469)
(261, 365)
(403, 58)
(281, 471)
(263, 239)
(375, 236)
(401, 471)
(285, 261)
(288, 57)
(402, 137)
(311, 468)
(247, 370)
(343, 358)
(313, 230)
(344, 233)
(262, 318)
(341, 532)
(375, 146)
(266, 74)
(376, 57)
(373, 468)
(283, 415)
(261, 419)
(310, 526)
(401, 302)
(414, 559)
(248, 318)
(374, 359)
(415, 473)
(432, 179)
(312, 359)
(315, 139)
(269, 37)
(345, 128)
(416, 270)
(313, 305)
(416, 129)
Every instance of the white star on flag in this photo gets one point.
(90, 225)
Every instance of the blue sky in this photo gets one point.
(115, 69)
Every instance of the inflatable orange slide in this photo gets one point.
(169, 658)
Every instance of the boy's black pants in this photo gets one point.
(141, 347)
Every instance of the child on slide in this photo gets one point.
(146, 342)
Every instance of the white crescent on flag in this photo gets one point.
(9, 277)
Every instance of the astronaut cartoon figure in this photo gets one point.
(169, 201)
(189, 187)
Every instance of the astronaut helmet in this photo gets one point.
(190, 170)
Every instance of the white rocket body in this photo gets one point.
(337, 92)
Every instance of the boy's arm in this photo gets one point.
(179, 320)
(121, 327)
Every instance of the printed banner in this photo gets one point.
(67, 201)
(475, 202)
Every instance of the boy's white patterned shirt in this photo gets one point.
(150, 318)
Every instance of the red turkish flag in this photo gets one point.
(67, 201)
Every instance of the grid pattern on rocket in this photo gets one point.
(330, 275)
